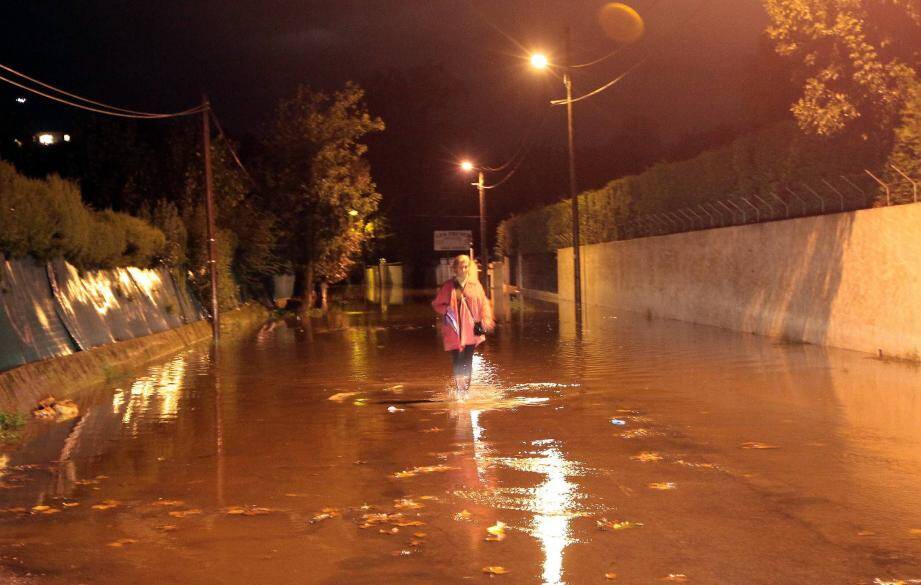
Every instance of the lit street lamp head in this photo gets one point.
(466, 165)
(539, 61)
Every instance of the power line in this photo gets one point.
(110, 111)
(226, 141)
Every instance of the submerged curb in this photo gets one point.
(63, 377)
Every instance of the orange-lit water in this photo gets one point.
(739, 460)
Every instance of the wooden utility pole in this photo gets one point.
(576, 244)
(209, 207)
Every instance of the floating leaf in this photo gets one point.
(692, 464)
(432, 430)
(605, 524)
(425, 469)
(169, 503)
(167, 527)
(415, 542)
(40, 508)
(647, 456)
(121, 542)
(618, 421)
(184, 513)
(463, 515)
(389, 531)
(395, 409)
(70, 504)
(756, 445)
(339, 397)
(107, 505)
(325, 514)
(676, 577)
(866, 533)
(914, 531)
(668, 485)
(610, 576)
(419, 534)
(497, 532)
(407, 504)
(428, 498)
(495, 570)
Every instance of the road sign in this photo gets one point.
(453, 240)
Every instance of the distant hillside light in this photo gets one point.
(46, 139)
(21, 100)
(353, 212)
(67, 138)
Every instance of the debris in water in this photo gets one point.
(495, 570)
(667, 485)
(247, 511)
(169, 503)
(676, 577)
(605, 524)
(497, 532)
(647, 456)
(51, 408)
(756, 445)
(341, 396)
(610, 576)
(107, 505)
(463, 515)
(395, 409)
(618, 421)
(425, 469)
(432, 430)
(184, 513)
(121, 542)
(407, 504)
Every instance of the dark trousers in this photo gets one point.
(463, 360)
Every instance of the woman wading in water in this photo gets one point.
(466, 317)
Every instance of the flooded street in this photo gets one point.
(326, 452)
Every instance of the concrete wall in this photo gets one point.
(849, 280)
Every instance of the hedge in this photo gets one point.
(46, 218)
(758, 163)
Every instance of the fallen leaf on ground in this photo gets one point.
(757, 445)
(676, 577)
(184, 513)
(496, 570)
(107, 505)
(463, 515)
(646, 457)
(339, 397)
(667, 485)
(121, 542)
(605, 524)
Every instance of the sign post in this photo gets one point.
(453, 240)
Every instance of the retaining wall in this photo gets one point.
(849, 280)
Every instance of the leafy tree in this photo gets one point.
(853, 58)
(317, 182)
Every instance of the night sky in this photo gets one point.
(161, 56)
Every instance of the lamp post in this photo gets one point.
(481, 189)
(540, 61)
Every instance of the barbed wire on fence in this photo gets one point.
(783, 201)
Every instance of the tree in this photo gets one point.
(316, 180)
(853, 58)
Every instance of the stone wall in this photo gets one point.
(849, 280)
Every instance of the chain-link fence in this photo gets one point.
(828, 195)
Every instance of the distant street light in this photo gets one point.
(353, 212)
(468, 166)
(539, 61)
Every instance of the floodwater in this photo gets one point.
(325, 452)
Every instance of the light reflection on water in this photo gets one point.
(152, 396)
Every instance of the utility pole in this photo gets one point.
(576, 252)
(209, 207)
(484, 256)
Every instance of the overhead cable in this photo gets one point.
(109, 110)
(233, 153)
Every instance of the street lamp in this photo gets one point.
(539, 61)
(468, 166)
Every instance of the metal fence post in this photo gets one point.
(784, 203)
(769, 206)
(865, 198)
(817, 196)
(832, 187)
(739, 209)
(757, 211)
(707, 213)
(801, 200)
(914, 185)
(732, 215)
(885, 186)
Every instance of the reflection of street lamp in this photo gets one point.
(540, 61)
(468, 166)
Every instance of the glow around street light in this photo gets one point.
(466, 166)
(353, 212)
(539, 61)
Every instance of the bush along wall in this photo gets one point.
(46, 218)
(761, 163)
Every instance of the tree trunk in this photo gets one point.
(308, 294)
(324, 296)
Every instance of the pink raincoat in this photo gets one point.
(476, 308)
